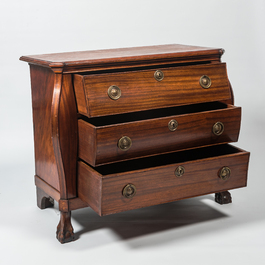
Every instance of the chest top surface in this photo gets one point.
(138, 56)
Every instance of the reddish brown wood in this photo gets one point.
(42, 83)
(43, 199)
(65, 232)
(145, 133)
(68, 134)
(49, 190)
(141, 91)
(158, 184)
(80, 94)
(73, 204)
(126, 57)
(89, 186)
(223, 197)
(57, 106)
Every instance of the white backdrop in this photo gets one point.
(232, 233)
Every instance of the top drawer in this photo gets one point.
(122, 92)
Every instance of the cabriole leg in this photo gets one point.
(223, 197)
(65, 231)
(43, 199)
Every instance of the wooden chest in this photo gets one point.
(122, 129)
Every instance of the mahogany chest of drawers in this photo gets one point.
(122, 129)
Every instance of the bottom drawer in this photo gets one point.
(160, 179)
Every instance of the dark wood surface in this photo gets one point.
(158, 184)
(80, 95)
(65, 231)
(98, 144)
(42, 83)
(68, 134)
(43, 199)
(125, 57)
(57, 106)
(48, 191)
(141, 91)
(223, 197)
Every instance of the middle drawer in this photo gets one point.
(114, 138)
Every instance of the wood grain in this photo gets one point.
(42, 82)
(141, 91)
(81, 99)
(98, 144)
(158, 184)
(89, 186)
(68, 134)
(126, 57)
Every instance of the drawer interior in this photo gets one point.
(167, 159)
(157, 113)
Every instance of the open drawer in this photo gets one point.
(121, 137)
(100, 94)
(160, 179)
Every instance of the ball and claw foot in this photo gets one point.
(223, 197)
(65, 232)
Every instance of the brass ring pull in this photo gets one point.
(173, 125)
(129, 191)
(224, 173)
(114, 92)
(159, 75)
(125, 143)
(218, 128)
(179, 172)
(205, 81)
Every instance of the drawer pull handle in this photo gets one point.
(224, 173)
(218, 128)
(205, 81)
(179, 172)
(114, 92)
(125, 143)
(173, 125)
(129, 191)
(159, 75)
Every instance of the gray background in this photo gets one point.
(185, 232)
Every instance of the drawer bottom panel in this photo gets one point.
(157, 179)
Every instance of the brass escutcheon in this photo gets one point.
(159, 75)
(173, 125)
(114, 92)
(129, 191)
(125, 143)
(218, 128)
(224, 173)
(180, 170)
(205, 81)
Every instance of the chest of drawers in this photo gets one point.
(128, 128)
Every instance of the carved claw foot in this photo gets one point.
(223, 197)
(43, 199)
(65, 232)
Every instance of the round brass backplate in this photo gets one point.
(159, 75)
(224, 173)
(173, 125)
(218, 128)
(205, 81)
(114, 92)
(180, 170)
(129, 191)
(125, 143)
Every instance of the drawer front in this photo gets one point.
(160, 184)
(139, 90)
(153, 136)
